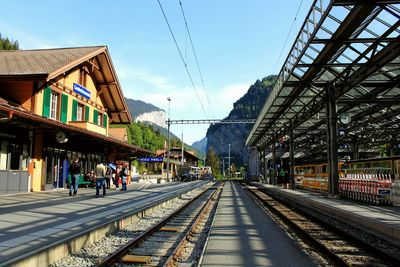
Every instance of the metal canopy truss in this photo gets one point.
(225, 121)
(352, 48)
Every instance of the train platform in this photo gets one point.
(243, 235)
(30, 222)
(383, 221)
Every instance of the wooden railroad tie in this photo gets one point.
(136, 259)
(169, 229)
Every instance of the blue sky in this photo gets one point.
(236, 42)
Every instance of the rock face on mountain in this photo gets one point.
(147, 113)
(155, 117)
(201, 145)
(219, 136)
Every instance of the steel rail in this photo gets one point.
(118, 254)
(175, 254)
(377, 255)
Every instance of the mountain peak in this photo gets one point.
(138, 107)
(201, 145)
(220, 136)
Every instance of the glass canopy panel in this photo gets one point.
(295, 108)
(378, 77)
(366, 34)
(299, 72)
(278, 101)
(331, 23)
(350, 53)
(293, 78)
(308, 93)
(286, 91)
(393, 70)
(394, 34)
(394, 92)
(273, 109)
(306, 58)
(289, 114)
(311, 52)
(360, 48)
(339, 12)
(355, 92)
(327, 76)
(322, 34)
(377, 27)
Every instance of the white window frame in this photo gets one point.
(53, 105)
(80, 112)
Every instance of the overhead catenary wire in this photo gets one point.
(287, 37)
(195, 56)
(182, 58)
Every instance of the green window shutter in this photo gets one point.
(105, 118)
(87, 113)
(46, 101)
(64, 108)
(74, 109)
(95, 116)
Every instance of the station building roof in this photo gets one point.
(353, 49)
(47, 64)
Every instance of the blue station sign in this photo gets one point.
(150, 159)
(79, 89)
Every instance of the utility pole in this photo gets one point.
(169, 125)
(229, 161)
(223, 168)
(182, 150)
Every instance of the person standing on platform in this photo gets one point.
(287, 180)
(124, 175)
(75, 170)
(109, 172)
(100, 174)
(281, 177)
(117, 177)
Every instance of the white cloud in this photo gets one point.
(222, 101)
(133, 74)
(153, 88)
(25, 40)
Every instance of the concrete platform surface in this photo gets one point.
(243, 235)
(30, 221)
(381, 220)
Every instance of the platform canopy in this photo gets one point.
(352, 48)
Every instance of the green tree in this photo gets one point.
(136, 134)
(213, 161)
(6, 44)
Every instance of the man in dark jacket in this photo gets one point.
(75, 170)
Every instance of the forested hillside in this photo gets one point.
(219, 136)
(147, 136)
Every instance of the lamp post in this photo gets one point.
(169, 124)
(229, 161)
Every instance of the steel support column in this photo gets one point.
(355, 148)
(265, 165)
(273, 162)
(332, 146)
(168, 147)
(291, 157)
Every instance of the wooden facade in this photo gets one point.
(55, 105)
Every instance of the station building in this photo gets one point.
(56, 105)
(178, 165)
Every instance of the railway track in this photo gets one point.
(341, 249)
(162, 244)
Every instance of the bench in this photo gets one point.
(81, 181)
